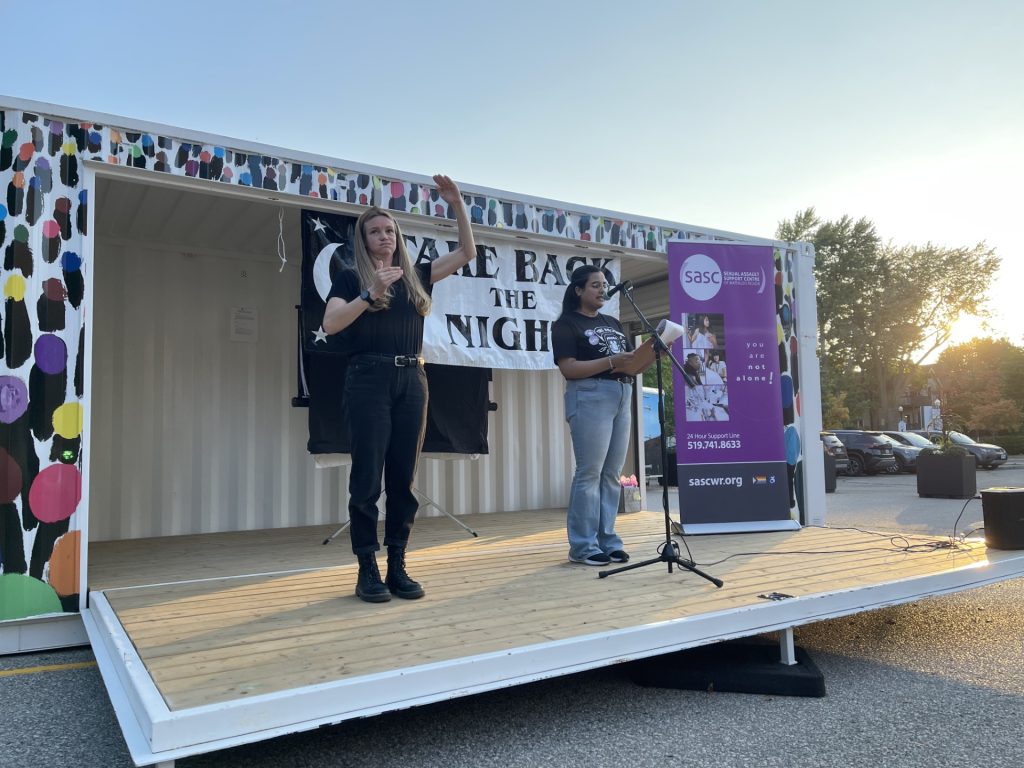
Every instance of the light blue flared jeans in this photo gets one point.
(599, 416)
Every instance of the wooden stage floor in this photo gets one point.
(221, 617)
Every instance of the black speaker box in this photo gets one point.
(1003, 509)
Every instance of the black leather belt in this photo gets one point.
(399, 361)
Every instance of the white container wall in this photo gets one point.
(195, 433)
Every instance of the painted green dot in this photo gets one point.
(21, 233)
(22, 596)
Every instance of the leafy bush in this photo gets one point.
(1014, 444)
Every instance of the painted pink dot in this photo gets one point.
(55, 493)
(397, 189)
(51, 228)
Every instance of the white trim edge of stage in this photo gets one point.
(155, 734)
(42, 633)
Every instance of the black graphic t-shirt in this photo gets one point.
(397, 330)
(588, 338)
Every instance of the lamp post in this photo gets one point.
(938, 407)
(901, 425)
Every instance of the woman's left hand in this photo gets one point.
(447, 189)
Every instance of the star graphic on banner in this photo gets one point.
(319, 335)
(318, 226)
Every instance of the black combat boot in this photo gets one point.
(369, 587)
(398, 580)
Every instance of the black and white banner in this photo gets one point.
(496, 312)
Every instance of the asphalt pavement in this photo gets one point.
(938, 682)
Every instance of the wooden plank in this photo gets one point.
(220, 612)
(214, 640)
(282, 632)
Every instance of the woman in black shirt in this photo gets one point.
(595, 357)
(380, 306)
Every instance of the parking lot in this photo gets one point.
(890, 502)
(938, 682)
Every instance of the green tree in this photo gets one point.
(834, 411)
(883, 309)
(981, 381)
(651, 380)
(996, 415)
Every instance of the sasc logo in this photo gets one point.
(701, 277)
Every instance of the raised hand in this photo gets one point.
(447, 189)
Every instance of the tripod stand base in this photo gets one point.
(668, 554)
(749, 665)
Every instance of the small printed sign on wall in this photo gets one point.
(245, 324)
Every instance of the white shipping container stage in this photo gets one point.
(192, 551)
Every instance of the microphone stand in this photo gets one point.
(669, 552)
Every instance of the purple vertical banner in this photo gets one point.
(731, 458)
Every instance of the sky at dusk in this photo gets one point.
(731, 115)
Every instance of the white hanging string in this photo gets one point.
(281, 254)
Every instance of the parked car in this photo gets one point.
(869, 453)
(911, 438)
(906, 455)
(835, 448)
(986, 455)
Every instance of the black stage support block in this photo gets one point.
(737, 666)
(1003, 510)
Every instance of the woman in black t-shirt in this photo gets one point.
(596, 359)
(380, 306)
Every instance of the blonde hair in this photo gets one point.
(366, 266)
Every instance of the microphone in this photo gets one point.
(625, 285)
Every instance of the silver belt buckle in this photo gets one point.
(401, 361)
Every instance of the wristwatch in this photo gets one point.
(365, 296)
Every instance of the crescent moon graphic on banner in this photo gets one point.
(764, 282)
(322, 270)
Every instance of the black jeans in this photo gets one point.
(386, 411)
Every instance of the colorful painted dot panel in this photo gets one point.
(168, 155)
(43, 222)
